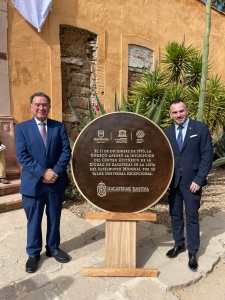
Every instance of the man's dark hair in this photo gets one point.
(41, 95)
(177, 101)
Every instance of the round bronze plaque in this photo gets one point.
(122, 162)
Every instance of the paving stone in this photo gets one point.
(85, 243)
(142, 233)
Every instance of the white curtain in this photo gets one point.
(34, 11)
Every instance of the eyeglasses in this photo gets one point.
(40, 104)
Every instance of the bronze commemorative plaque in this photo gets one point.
(122, 162)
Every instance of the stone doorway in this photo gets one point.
(78, 69)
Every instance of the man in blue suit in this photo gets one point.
(193, 154)
(43, 150)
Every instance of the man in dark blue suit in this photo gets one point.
(43, 150)
(193, 154)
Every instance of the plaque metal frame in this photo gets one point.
(122, 162)
(100, 148)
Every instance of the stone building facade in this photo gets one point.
(97, 47)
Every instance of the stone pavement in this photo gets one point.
(84, 241)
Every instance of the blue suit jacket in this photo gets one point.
(196, 156)
(35, 159)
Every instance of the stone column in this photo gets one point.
(4, 76)
(6, 120)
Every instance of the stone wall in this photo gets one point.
(78, 64)
(35, 57)
(140, 59)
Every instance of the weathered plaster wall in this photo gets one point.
(35, 57)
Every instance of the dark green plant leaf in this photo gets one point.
(78, 117)
(101, 108)
(218, 162)
(90, 109)
(124, 103)
(116, 104)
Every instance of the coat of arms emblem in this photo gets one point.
(101, 189)
(100, 134)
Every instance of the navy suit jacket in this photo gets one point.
(196, 156)
(35, 158)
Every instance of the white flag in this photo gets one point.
(34, 11)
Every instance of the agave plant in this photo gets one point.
(214, 112)
(178, 61)
(179, 76)
(193, 76)
(153, 112)
(151, 85)
(219, 150)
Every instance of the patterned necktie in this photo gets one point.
(43, 133)
(180, 137)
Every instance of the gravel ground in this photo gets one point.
(213, 200)
(208, 288)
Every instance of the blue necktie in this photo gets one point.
(180, 137)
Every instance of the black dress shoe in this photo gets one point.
(192, 264)
(175, 251)
(32, 263)
(58, 254)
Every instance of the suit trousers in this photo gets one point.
(179, 198)
(34, 209)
